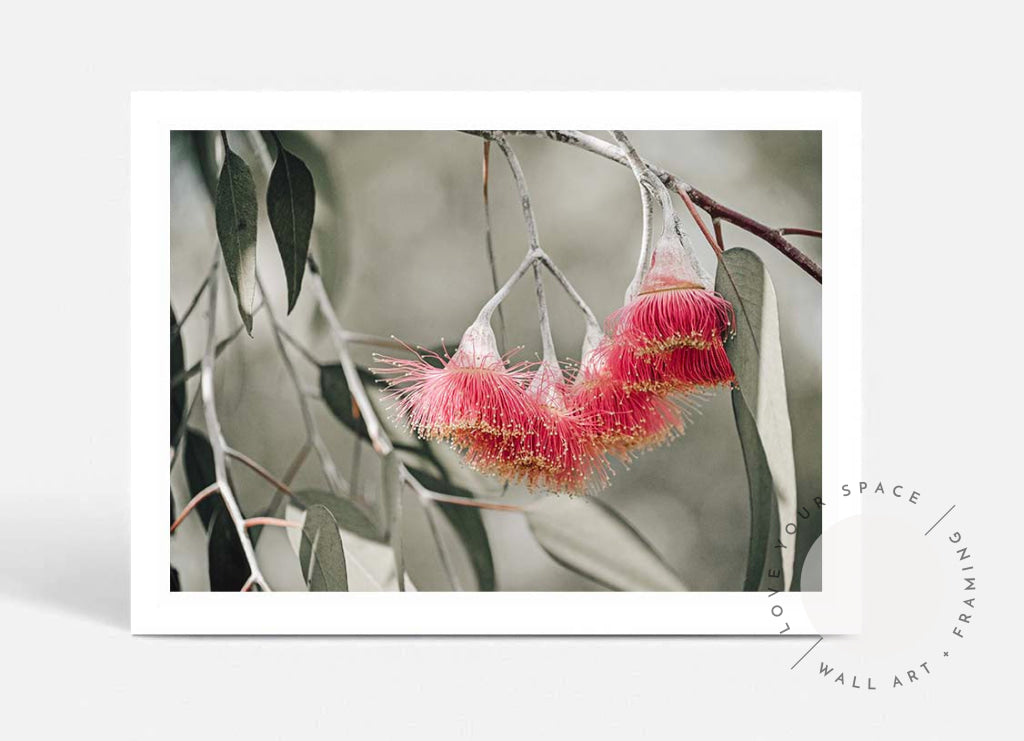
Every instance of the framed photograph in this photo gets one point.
(431, 376)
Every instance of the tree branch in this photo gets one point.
(713, 208)
(218, 445)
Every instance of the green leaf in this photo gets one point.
(291, 199)
(336, 394)
(469, 526)
(321, 554)
(762, 556)
(592, 539)
(178, 399)
(755, 352)
(236, 212)
(200, 473)
(228, 567)
(391, 485)
(346, 513)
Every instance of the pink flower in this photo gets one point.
(625, 419)
(557, 450)
(473, 391)
(682, 370)
(669, 337)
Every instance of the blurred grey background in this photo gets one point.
(399, 234)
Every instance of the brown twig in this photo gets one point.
(192, 503)
(272, 521)
(803, 232)
(700, 222)
(718, 232)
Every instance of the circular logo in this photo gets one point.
(918, 597)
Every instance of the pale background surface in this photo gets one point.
(400, 240)
(937, 120)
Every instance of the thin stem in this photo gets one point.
(353, 469)
(592, 321)
(467, 502)
(489, 244)
(547, 341)
(707, 203)
(259, 470)
(184, 425)
(700, 222)
(374, 429)
(334, 481)
(303, 350)
(182, 376)
(289, 475)
(272, 521)
(361, 338)
(442, 545)
(670, 218)
(802, 232)
(192, 503)
(718, 232)
(195, 299)
(647, 210)
(218, 444)
(488, 309)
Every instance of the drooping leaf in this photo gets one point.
(346, 513)
(469, 526)
(291, 199)
(370, 564)
(236, 213)
(200, 473)
(762, 497)
(321, 554)
(391, 485)
(755, 351)
(592, 539)
(228, 567)
(338, 397)
(178, 398)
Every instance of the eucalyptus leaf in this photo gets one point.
(391, 484)
(346, 513)
(755, 351)
(762, 499)
(200, 473)
(229, 569)
(592, 539)
(291, 200)
(321, 554)
(236, 213)
(469, 526)
(178, 398)
(370, 564)
(338, 397)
